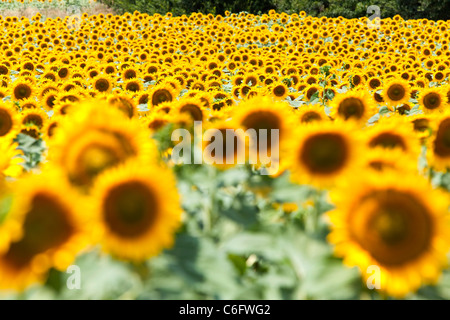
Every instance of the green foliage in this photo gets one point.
(413, 9)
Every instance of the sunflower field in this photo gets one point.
(353, 204)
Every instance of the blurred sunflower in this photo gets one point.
(137, 210)
(322, 153)
(355, 105)
(394, 221)
(44, 229)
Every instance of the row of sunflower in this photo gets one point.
(361, 113)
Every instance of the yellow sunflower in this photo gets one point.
(44, 229)
(137, 210)
(96, 136)
(355, 105)
(321, 153)
(394, 222)
(10, 160)
(392, 133)
(311, 113)
(432, 100)
(396, 92)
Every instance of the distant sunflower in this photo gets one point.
(311, 113)
(390, 159)
(102, 84)
(264, 115)
(392, 133)
(394, 221)
(432, 100)
(354, 105)
(193, 107)
(36, 116)
(161, 94)
(22, 89)
(396, 92)
(321, 153)
(137, 210)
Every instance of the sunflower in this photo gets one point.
(432, 100)
(48, 100)
(395, 221)
(311, 113)
(10, 160)
(231, 149)
(22, 89)
(50, 126)
(30, 103)
(422, 125)
(44, 229)
(321, 153)
(137, 210)
(264, 116)
(9, 121)
(390, 159)
(392, 133)
(133, 85)
(161, 94)
(396, 92)
(354, 105)
(192, 106)
(94, 137)
(36, 116)
(438, 148)
(102, 84)
(279, 91)
(124, 103)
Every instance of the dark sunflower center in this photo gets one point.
(133, 87)
(194, 111)
(421, 124)
(130, 209)
(263, 120)
(279, 91)
(324, 153)
(46, 226)
(22, 91)
(161, 95)
(442, 140)
(351, 107)
(5, 122)
(387, 140)
(374, 83)
(396, 226)
(432, 101)
(396, 92)
(34, 119)
(102, 85)
(310, 116)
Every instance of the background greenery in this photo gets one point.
(408, 9)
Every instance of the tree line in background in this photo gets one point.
(408, 9)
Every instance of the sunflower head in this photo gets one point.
(394, 221)
(396, 92)
(137, 210)
(432, 100)
(44, 230)
(355, 105)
